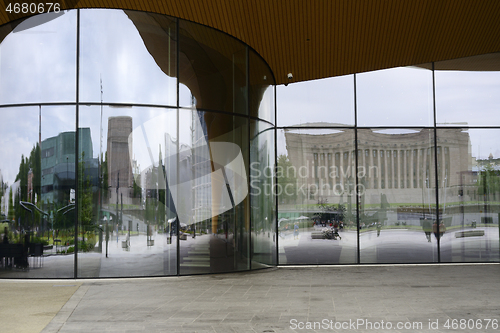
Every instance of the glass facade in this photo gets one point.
(137, 144)
(401, 167)
(128, 138)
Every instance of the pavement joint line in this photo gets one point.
(390, 265)
(66, 311)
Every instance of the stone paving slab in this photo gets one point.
(29, 306)
(285, 299)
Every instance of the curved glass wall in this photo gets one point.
(132, 157)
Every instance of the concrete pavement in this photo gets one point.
(410, 298)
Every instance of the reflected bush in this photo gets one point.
(84, 247)
(41, 240)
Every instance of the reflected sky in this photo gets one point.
(468, 97)
(47, 51)
(113, 51)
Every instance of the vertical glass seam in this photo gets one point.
(358, 252)
(77, 133)
(275, 194)
(436, 182)
(247, 112)
(177, 54)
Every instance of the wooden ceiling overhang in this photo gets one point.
(314, 39)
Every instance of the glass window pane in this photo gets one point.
(395, 97)
(211, 193)
(469, 192)
(38, 64)
(38, 169)
(261, 88)
(327, 102)
(127, 216)
(467, 91)
(396, 196)
(213, 66)
(127, 57)
(262, 200)
(316, 198)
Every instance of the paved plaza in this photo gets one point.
(406, 298)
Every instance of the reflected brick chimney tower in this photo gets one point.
(119, 163)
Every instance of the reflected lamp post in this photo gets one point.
(24, 204)
(117, 188)
(349, 197)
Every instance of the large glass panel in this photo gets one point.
(395, 97)
(211, 193)
(38, 60)
(128, 224)
(316, 197)
(262, 198)
(213, 67)
(469, 194)
(467, 91)
(327, 102)
(261, 89)
(127, 57)
(396, 196)
(38, 170)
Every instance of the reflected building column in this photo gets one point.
(402, 169)
(413, 171)
(417, 171)
(341, 163)
(383, 169)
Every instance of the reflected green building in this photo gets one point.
(58, 165)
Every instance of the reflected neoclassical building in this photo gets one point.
(397, 166)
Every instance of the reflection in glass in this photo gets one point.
(38, 64)
(213, 67)
(469, 194)
(38, 183)
(327, 102)
(316, 197)
(467, 91)
(127, 57)
(261, 88)
(263, 206)
(212, 193)
(397, 96)
(395, 223)
(126, 212)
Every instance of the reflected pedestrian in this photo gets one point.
(296, 231)
(442, 229)
(426, 226)
(435, 229)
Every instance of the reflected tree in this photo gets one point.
(489, 182)
(330, 211)
(86, 206)
(287, 180)
(11, 215)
